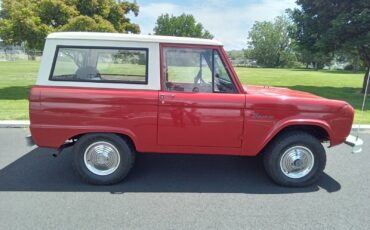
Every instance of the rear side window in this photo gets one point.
(95, 64)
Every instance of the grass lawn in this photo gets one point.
(17, 77)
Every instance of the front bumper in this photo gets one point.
(355, 142)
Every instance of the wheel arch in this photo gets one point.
(319, 130)
(124, 136)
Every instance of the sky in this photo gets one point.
(228, 20)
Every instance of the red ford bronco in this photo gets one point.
(112, 96)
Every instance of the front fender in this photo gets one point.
(259, 132)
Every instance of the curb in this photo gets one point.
(362, 128)
(26, 124)
(14, 124)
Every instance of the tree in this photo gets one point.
(332, 26)
(29, 21)
(317, 60)
(21, 23)
(237, 56)
(181, 26)
(85, 23)
(269, 43)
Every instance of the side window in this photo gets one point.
(96, 64)
(188, 70)
(222, 80)
(195, 70)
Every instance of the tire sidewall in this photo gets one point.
(123, 150)
(279, 149)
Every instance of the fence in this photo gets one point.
(12, 54)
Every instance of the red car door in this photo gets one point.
(199, 104)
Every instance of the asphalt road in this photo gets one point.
(38, 191)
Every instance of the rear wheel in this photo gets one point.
(295, 159)
(102, 158)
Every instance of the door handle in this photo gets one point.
(163, 97)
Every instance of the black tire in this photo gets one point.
(126, 154)
(275, 150)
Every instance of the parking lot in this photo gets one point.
(38, 191)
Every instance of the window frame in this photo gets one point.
(186, 46)
(101, 47)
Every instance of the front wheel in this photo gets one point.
(102, 158)
(295, 159)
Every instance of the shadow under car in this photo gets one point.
(175, 173)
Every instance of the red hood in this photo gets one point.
(276, 98)
(276, 91)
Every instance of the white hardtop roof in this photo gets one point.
(130, 37)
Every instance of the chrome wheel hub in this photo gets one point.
(102, 158)
(297, 162)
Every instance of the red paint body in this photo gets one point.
(184, 122)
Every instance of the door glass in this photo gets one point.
(196, 70)
(188, 69)
(222, 79)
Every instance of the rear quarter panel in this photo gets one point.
(59, 113)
